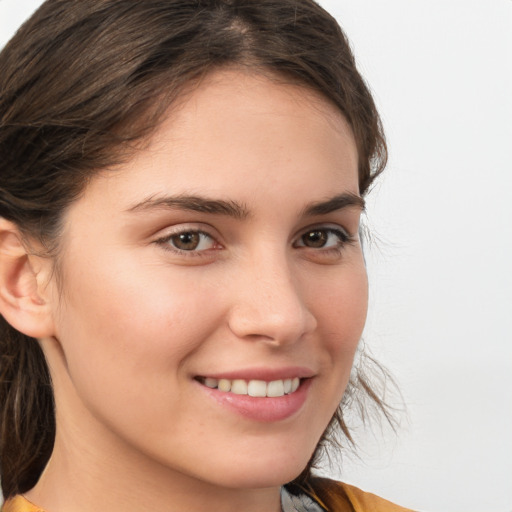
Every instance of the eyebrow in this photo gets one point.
(339, 202)
(195, 204)
(238, 210)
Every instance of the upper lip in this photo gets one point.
(264, 373)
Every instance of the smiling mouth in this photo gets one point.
(254, 388)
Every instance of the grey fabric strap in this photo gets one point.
(292, 501)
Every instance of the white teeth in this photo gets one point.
(256, 388)
(211, 383)
(239, 387)
(224, 385)
(275, 388)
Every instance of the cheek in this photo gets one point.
(341, 305)
(341, 308)
(131, 326)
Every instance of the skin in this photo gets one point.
(133, 322)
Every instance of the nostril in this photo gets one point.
(278, 326)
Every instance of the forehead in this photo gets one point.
(237, 97)
(234, 127)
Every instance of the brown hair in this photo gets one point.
(81, 82)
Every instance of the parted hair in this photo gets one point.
(82, 84)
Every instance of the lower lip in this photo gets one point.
(264, 409)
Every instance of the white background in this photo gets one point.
(441, 297)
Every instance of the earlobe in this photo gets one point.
(22, 302)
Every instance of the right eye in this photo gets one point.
(192, 241)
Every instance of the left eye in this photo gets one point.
(325, 238)
(191, 241)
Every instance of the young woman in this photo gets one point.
(182, 283)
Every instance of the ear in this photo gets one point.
(24, 298)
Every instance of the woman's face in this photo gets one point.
(224, 257)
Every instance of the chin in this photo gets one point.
(263, 473)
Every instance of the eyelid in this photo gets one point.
(331, 228)
(344, 238)
(167, 234)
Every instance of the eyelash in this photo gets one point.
(344, 239)
(165, 242)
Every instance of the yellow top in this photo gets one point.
(20, 504)
(340, 497)
(332, 496)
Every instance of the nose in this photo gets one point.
(269, 303)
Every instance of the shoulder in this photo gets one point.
(19, 504)
(341, 497)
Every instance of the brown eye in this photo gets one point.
(315, 239)
(324, 238)
(186, 241)
(190, 241)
